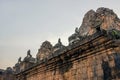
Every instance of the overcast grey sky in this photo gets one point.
(25, 24)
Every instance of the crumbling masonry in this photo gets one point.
(93, 53)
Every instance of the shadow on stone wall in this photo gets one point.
(117, 64)
(64, 65)
(106, 70)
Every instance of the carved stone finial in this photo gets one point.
(76, 30)
(19, 60)
(28, 53)
(74, 37)
(59, 41)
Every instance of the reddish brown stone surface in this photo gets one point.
(93, 53)
(93, 60)
(103, 17)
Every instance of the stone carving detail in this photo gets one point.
(17, 65)
(44, 51)
(58, 46)
(74, 37)
(103, 17)
(27, 62)
(19, 60)
(28, 53)
(29, 57)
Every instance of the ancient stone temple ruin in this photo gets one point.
(93, 53)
